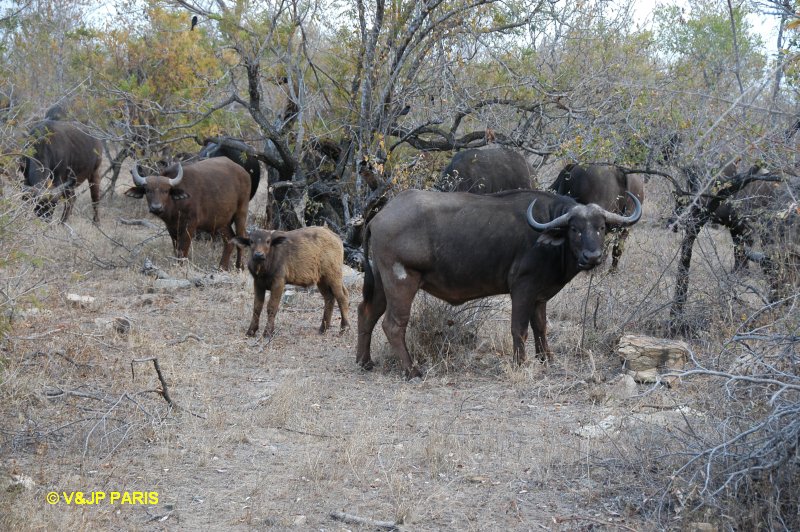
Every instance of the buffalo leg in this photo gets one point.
(619, 246)
(227, 236)
(240, 222)
(327, 295)
(369, 312)
(742, 239)
(343, 300)
(259, 289)
(539, 326)
(398, 312)
(94, 192)
(184, 241)
(520, 315)
(275, 293)
(69, 201)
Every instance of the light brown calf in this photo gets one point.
(303, 257)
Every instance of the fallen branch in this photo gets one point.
(258, 402)
(37, 336)
(185, 338)
(148, 268)
(146, 223)
(349, 518)
(164, 390)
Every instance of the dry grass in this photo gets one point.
(277, 434)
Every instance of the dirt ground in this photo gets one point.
(279, 434)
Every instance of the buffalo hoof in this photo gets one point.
(251, 332)
(414, 375)
(369, 365)
(323, 328)
(344, 329)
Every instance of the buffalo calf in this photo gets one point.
(303, 257)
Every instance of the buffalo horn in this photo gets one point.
(561, 221)
(177, 179)
(618, 219)
(138, 180)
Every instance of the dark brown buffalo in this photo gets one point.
(485, 172)
(740, 214)
(63, 158)
(459, 247)
(303, 257)
(604, 185)
(238, 152)
(207, 196)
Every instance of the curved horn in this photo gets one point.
(138, 180)
(618, 219)
(561, 221)
(177, 179)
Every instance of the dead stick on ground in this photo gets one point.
(145, 223)
(349, 518)
(164, 389)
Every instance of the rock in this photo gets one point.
(21, 482)
(643, 356)
(351, 277)
(616, 391)
(118, 325)
(83, 302)
(300, 520)
(288, 297)
(607, 426)
(27, 313)
(612, 424)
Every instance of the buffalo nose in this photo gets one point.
(259, 255)
(591, 257)
(156, 209)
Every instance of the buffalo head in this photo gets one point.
(260, 243)
(159, 189)
(584, 229)
(45, 195)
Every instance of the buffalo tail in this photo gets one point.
(369, 278)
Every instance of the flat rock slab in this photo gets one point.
(643, 357)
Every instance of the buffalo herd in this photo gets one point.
(485, 231)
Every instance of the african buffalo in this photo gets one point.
(604, 185)
(208, 195)
(63, 158)
(740, 213)
(303, 257)
(485, 172)
(460, 246)
(238, 152)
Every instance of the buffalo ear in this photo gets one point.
(552, 238)
(178, 194)
(241, 242)
(277, 240)
(135, 192)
